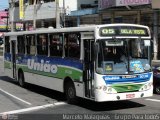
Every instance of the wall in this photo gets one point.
(74, 4)
(44, 11)
(3, 20)
(71, 4)
(79, 2)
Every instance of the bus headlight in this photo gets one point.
(146, 87)
(147, 67)
(109, 90)
(106, 89)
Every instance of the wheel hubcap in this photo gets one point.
(20, 79)
(71, 92)
(158, 89)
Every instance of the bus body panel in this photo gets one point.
(8, 72)
(44, 81)
(48, 72)
(7, 65)
(51, 67)
(51, 83)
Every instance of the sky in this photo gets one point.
(3, 4)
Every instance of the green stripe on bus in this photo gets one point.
(127, 87)
(61, 73)
(7, 64)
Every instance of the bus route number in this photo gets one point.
(108, 31)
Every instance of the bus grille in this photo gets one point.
(127, 87)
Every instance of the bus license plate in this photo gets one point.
(130, 95)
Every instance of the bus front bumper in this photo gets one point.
(101, 96)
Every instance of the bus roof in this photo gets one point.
(70, 29)
(53, 30)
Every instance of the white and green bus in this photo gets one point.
(107, 62)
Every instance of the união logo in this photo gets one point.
(42, 66)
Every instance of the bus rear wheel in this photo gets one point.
(21, 79)
(70, 93)
(157, 89)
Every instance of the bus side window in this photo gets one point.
(72, 45)
(56, 46)
(42, 44)
(7, 45)
(30, 45)
(21, 45)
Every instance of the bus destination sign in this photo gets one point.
(124, 31)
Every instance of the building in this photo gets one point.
(3, 21)
(64, 13)
(3, 28)
(44, 13)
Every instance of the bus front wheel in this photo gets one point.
(70, 93)
(21, 79)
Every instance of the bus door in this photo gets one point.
(88, 67)
(13, 58)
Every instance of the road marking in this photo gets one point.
(60, 103)
(15, 97)
(34, 108)
(154, 100)
(28, 109)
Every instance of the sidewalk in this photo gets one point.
(1, 57)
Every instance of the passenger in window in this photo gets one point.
(43, 40)
(44, 45)
(54, 41)
(109, 54)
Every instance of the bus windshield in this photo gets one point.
(123, 56)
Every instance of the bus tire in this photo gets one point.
(70, 93)
(21, 80)
(157, 89)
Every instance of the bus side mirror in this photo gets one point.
(1, 41)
